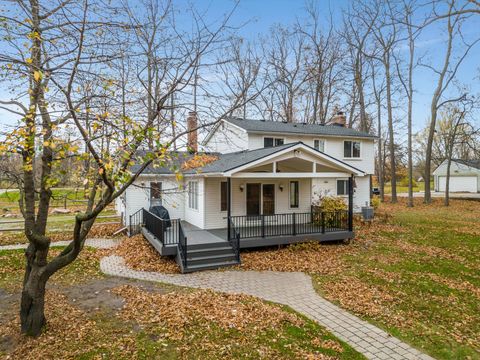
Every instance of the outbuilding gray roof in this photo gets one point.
(264, 126)
(475, 163)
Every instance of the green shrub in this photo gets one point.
(330, 206)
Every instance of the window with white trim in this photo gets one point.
(156, 190)
(294, 194)
(223, 196)
(351, 149)
(319, 144)
(342, 187)
(271, 141)
(193, 195)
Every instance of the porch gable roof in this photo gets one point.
(227, 164)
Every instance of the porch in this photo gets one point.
(199, 249)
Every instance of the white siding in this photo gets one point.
(226, 139)
(137, 196)
(333, 147)
(458, 184)
(456, 169)
(196, 216)
(328, 186)
(214, 218)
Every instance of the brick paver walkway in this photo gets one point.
(96, 243)
(292, 289)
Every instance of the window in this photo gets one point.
(351, 149)
(342, 187)
(193, 195)
(223, 196)
(155, 190)
(319, 144)
(270, 141)
(294, 194)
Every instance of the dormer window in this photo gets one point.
(271, 141)
(351, 149)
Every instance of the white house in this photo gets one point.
(256, 190)
(464, 176)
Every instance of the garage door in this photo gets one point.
(459, 183)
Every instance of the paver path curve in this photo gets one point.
(289, 288)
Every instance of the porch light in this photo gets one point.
(280, 186)
(242, 187)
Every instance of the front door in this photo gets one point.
(253, 199)
(268, 199)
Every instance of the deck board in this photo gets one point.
(196, 236)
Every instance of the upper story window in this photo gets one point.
(351, 149)
(319, 144)
(156, 190)
(193, 195)
(271, 141)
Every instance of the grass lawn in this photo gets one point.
(60, 225)
(417, 275)
(420, 186)
(91, 316)
(414, 272)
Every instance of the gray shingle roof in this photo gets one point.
(264, 126)
(169, 166)
(224, 163)
(230, 161)
(472, 163)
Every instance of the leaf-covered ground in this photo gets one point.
(418, 275)
(415, 272)
(91, 316)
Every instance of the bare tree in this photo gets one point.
(71, 45)
(323, 60)
(454, 131)
(445, 76)
(285, 58)
(405, 17)
(356, 31)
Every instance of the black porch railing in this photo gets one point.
(182, 244)
(234, 239)
(166, 231)
(291, 224)
(135, 223)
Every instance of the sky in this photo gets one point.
(261, 15)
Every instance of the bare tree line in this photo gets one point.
(122, 76)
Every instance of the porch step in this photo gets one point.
(210, 266)
(210, 251)
(207, 256)
(210, 245)
(206, 260)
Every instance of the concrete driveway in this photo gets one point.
(437, 194)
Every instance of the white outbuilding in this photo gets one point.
(464, 176)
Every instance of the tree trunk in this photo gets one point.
(447, 184)
(32, 305)
(393, 170)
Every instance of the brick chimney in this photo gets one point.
(192, 124)
(339, 119)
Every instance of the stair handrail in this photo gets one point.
(182, 244)
(234, 239)
(137, 219)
